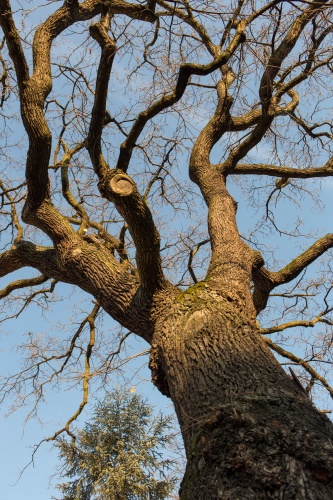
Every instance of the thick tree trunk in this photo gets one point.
(249, 431)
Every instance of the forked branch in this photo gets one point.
(265, 281)
(13, 42)
(299, 361)
(185, 72)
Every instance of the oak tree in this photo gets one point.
(142, 119)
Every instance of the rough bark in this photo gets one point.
(249, 431)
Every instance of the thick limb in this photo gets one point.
(95, 270)
(265, 281)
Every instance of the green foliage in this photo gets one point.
(120, 453)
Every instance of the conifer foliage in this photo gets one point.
(120, 453)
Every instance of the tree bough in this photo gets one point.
(145, 90)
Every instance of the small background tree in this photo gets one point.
(121, 453)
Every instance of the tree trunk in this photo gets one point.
(249, 431)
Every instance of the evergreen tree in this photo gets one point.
(120, 453)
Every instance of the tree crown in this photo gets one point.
(120, 453)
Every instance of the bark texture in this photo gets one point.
(249, 431)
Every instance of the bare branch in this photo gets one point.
(24, 254)
(283, 171)
(18, 284)
(14, 43)
(268, 102)
(298, 323)
(289, 355)
(168, 100)
(15, 218)
(296, 266)
(193, 22)
(37, 88)
(282, 51)
(86, 376)
(265, 281)
(99, 33)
